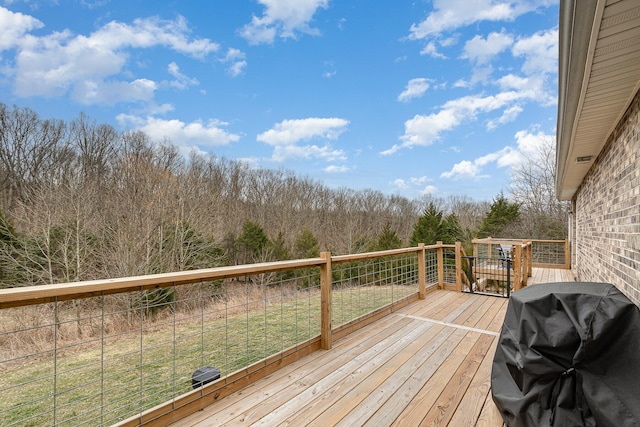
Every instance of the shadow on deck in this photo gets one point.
(426, 364)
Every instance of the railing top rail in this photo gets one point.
(29, 295)
(368, 255)
(494, 240)
(17, 297)
(380, 254)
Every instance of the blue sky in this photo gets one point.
(440, 97)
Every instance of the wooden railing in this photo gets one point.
(167, 316)
(377, 283)
(490, 264)
(551, 254)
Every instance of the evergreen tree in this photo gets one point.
(307, 245)
(279, 247)
(453, 232)
(501, 215)
(9, 247)
(184, 248)
(429, 228)
(388, 239)
(253, 241)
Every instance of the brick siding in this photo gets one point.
(606, 226)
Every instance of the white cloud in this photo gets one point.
(449, 41)
(181, 81)
(415, 89)
(432, 50)
(510, 81)
(109, 93)
(481, 51)
(531, 87)
(448, 15)
(292, 151)
(235, 58)
(330, 70)
(234, 55)
(424, 130)
(209, 134)
(92, 68)
(14, 26)
(286, 135)
(540, 52)
(528, 147)
(420, 180)
(481, 74)
(400, 184)
(472, 170)
(336, 169)
(461, 83)
(285, 18)
(292, 131)
(237, 68)
(451, 14)
(462, 170)
(415, 184)
(150, 32)
(531, 144)
(429, 190)
(508, 115)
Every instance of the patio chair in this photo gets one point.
(504, 254)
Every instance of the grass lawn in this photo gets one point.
(119, 375)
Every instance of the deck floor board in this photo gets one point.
(421, 365)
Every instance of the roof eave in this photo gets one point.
(575, 38)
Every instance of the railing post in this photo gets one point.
(440, 257)
(422, 272)
(458, 266)
(509, 264)
(567, 255)
(530, 259)
(489, 254)
(517, 267)
(325, 301)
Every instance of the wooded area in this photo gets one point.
(82, 201)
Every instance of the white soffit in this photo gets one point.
(610, 81)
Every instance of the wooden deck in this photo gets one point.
(426, 364)
(548, 275)
(423, 364)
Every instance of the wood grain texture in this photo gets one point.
(417, 366)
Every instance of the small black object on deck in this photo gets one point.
(204, 376)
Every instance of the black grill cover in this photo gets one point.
(568, 355)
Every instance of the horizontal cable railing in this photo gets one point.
(133, 350)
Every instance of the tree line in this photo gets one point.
(82, 201)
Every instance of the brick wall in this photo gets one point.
(607, 211)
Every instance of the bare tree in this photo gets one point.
(470, 212)
(31, 151)
(533, 187)
(97, 147)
